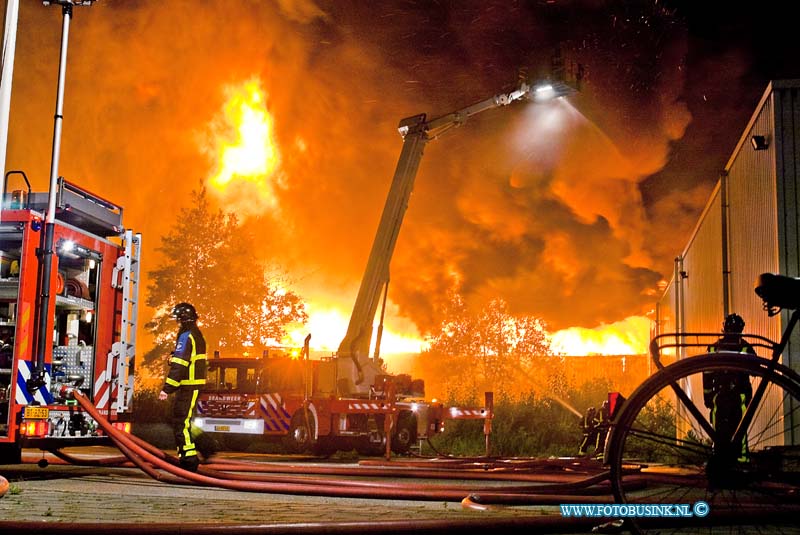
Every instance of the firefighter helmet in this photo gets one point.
(184, 313)
(733, 324)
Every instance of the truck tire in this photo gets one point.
(301, 436)
(10, 453)
(406, 433)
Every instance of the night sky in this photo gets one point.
(572, 212)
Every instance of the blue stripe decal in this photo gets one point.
(22, 384)
(269, 423)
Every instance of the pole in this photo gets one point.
(46, 252)
(9, 48)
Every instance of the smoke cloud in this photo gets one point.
(540, 205)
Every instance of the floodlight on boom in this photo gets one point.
(69, 2)
(547, 90)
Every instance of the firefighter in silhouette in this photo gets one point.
(726, 393)
(603, 423)
(589, 424)
(187, 374)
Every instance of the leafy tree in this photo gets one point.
(488, 350)
(210, 262)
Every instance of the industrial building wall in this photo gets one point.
(752, 222)
(754, 214)
(751, 225)
(702, 281)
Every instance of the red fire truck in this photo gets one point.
(285, 395)
(86, 335)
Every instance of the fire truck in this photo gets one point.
(83, 337)
(284, 394)
(294, 398)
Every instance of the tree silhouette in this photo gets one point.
(488, 350)
(210, 262)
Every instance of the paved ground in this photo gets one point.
(125, 500)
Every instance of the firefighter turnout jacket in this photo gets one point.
(717, 384)
(188, 361)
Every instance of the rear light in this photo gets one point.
(35, 428)
(125, 427)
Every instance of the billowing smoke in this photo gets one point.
(539, 205)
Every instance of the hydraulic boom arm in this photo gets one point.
(416, 132)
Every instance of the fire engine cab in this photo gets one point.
(85, 335)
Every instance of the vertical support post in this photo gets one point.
(46, 258)
(388, 420)
(487, 422)
(6, 79)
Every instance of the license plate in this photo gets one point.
(37, 413)
(222, 428)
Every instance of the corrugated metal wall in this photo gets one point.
(751, 225)
(702, 265)
(753, 243)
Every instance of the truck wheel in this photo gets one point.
(301, 436)
(10, 453)
(406, 434)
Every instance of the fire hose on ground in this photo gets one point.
(155, 464)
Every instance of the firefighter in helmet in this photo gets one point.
(728, 393)
(187, 374)
(589, 424)
(603, 423)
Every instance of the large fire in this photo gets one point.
(242, 144)
(241, 141)
(627, 337)
(328, 326)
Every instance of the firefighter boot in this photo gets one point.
(190, 463)
(206, 446)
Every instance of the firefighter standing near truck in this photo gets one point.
(727, 394)
(589, 424)
(187, 374)
(603, 424)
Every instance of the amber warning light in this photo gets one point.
(35, 428)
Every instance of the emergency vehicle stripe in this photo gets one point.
(456, 412)
(23, 345)
(274, 413)
(268, 416)
(23, 340)
(42, 395)
(269, 422)
(103, 393)
(366, 406)
(101, 390)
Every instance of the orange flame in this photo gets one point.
(241, 141)
(328, 326)
(248, 167)
(627, 337)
